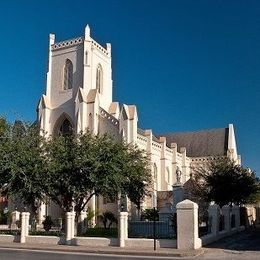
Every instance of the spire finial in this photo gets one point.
(87, 31)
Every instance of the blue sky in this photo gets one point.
(187, 65)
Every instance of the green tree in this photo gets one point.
(22, 165)
(226, 183)
(82, 166)
(4, 153)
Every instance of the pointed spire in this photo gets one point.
(87, 31)
(51, 38)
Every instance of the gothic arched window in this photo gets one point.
(66, 128)
(90, 122)
(86, 58)
(68, 75)
(99, 79)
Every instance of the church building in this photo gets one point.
(79, 95)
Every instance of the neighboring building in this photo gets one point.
(79, 96)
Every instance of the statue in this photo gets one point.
(178, 174)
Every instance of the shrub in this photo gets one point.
(47, 223)
(101, 232)
(108, 218)
(47, 233)
(150, 214)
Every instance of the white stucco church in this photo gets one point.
(79, 95)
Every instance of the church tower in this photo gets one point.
(79, 83)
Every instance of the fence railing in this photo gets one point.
(145, 229)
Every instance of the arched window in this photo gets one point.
(68, 75)
(99, 79)
(90, 122)
(86, 58)
(66, 128)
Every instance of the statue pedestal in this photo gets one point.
(178, 195)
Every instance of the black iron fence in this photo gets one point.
(145, 229)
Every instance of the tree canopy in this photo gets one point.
(69, 169)
(22, 164)
(226, 183)
(82, 166)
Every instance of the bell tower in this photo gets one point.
(79, 83)
(97, 69)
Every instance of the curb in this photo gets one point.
(192, 253)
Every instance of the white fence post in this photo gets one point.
(214, 215)
(27, 217)
(187, 225)
(226, 210)
(123, 232)
(236, 211)
(69, 218)
(73, 224)
(82, 217)
(15, 215)
(24, 226)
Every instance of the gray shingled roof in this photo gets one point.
(213, 142)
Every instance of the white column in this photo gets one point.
(69, 218)
(226, 210)
(82, 217)
(27, 217)
(213, 211)
(187, 225)
(126, 226)
(24, 226)
(92, 205)
(41, 213)
(123, 233)
(15, 217)
(73, 224)
(236, 211)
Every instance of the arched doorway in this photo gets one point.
(63, 126)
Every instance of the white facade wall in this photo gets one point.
(85, 107)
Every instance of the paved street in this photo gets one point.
(245, 245)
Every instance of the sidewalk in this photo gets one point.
(167, 252)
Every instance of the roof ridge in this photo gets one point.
(195, 131)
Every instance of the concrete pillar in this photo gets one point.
(226, 211)
(27, 217)
(123, 228)
(214, 215)
(15, 215)
(187, 225)
(24, 226)
(236, 212)
(73, 224)
(178, 195)
(126, 226)
(92, 205)
(82, 217)
(41, 213)
(69, 219)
